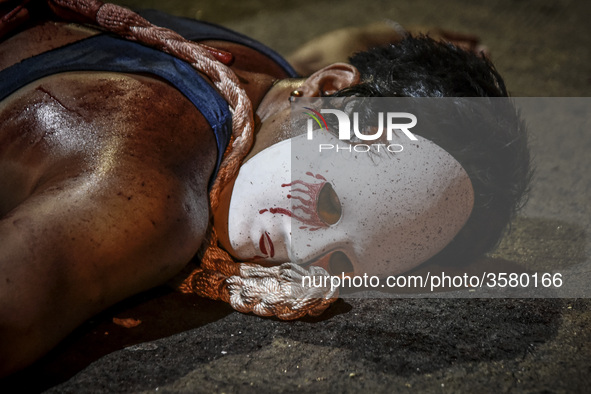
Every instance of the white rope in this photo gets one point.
(287, 291)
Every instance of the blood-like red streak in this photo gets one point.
(306, 205)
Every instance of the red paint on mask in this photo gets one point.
(307, 206)
(266, 245)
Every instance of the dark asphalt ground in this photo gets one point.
(188, 344)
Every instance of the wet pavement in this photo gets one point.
(188, 344)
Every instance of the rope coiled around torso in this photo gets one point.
(267, 291)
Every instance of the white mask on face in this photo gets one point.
(386, 213)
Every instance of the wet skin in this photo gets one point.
(104, 189)
(103, 183)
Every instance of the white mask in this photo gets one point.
(396, 210)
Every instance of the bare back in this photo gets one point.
(104, 194)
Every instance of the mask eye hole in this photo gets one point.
(339, 264)
(328, 206)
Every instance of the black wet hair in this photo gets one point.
(495, 153)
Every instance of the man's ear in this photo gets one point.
(330, 79)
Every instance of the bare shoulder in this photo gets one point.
(86, 121)
(103, 194)
(138, 110)
(127, 152)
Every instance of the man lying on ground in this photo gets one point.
(112, 158)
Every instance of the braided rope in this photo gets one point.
(281, 291)
(266, 291)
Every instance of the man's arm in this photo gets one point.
(82, 245)
(338, 45)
